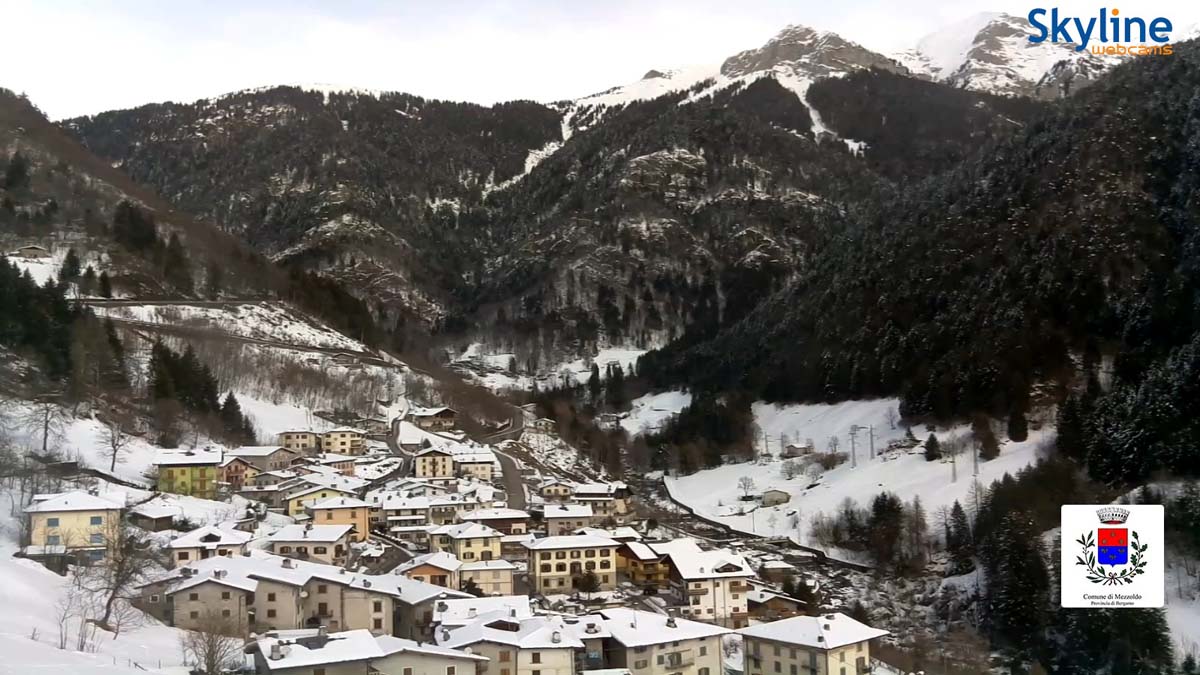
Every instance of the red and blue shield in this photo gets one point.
(1112, 546)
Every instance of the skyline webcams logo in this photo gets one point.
(1110, 28)
(1111, 565)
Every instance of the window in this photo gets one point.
(450, 670)
(96, 520)
(270, 614)
(505, 656)
(321, 588)
(640, 664)
(703, 671)
(54, 540)
(193, 596)
(778, 667)
(407, 671)
(225, 613)
(193, 614)
(703, 650)
(575, 555)
(858, 647)
(377, 606)
(224, 595)
(560, 555)
(604, 552)
(792, 669)
(321, 550)
(545, 556)
(660, 660)
(52, 522)
(182, 555)
(377, 623)
(605, 564)
(560, 567)
(95, 538)
(318, 671)
(590, 553)
(545, 567)
(535, 657)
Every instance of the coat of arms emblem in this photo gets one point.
(1117, 548)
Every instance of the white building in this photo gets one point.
(714, 583)
(830, 644)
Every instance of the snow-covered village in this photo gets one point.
(845, 340)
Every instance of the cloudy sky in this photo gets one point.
(80, 57)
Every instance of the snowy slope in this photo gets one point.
(714, 493)
(648, 412)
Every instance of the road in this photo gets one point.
(514, 485)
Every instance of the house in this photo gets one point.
(433, 419)
(342, 464)
(259, 592)
(768, 605)
(154, 516)
(566, 518)
(649, 643)
(544, 425)
(555, 563)
(439, 568)
(478, 465)
(776, 570)
(621, 533)
(467, 541)
(506, 520)
(265, 457)
(237, 473)
(327, 544)
(32, 251)
(512, 546)
(343, 511)
(206, 542)
(795, 450)
(356, 652)
(302, 442)
(609, 501)
(434, 464)
(491, 577)
(297, 500)
(715, 583)
(194, 473)
(643, 566)
(454, 613)
(267, 478)
(556, 490)
(830, 644)
(73, 524)
(538, 645)
(775, 497)
(344, 441)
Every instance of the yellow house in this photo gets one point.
(829, 644)
(343, 511)
(467, 541)
(303, 442)
(72, 521)
(190, 472)
(344, 441)
(297, 502)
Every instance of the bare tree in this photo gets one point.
(833, 444)
(115, 438)
(45, 418)
(791, 469)
(130, 556)
(213, 646)
(892, 417)
(746, 485)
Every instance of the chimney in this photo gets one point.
(366, 584)
(287, 563)
(323, 631)
(556, 637)
(445, 634)
(471, 612)
(670, 622)
(276, 651)
(513, 612)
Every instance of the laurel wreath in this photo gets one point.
(1097, 575)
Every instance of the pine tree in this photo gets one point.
(933, 449)
(162, 384)
(232, 420)
(70, 267)
(175, 265)
(1189, 666)
(1018, 585)
(16, 175)
(1018, 426)
(105, 285)
(593, 383)
(958, 541)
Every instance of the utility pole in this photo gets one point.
(953, 467)
(854, 429)
(975, 458)
(871, 432)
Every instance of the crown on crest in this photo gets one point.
(1112, 515)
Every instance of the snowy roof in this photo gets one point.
(157, 510)
(256, 451)
(332, 458)
(461, 612)
(828, 631)
(496, 514)
(440, 559)
(211, 536)
(691, 562)
(556, 481)
(568, 511)
(429, 412)
(761, 595)
(344, 430)
(778, 565)
(635, 628)
(317, 533)
(244, 571)
(517, 538)
(623, 532)
(434, 451)
(77, 501)
(339, 503)
(569, 541)
(468, 530)
(345, 647)
(482, 457)
(481, 565)
(599, 489)
(642, 551)
(537, 632)
(187, 457)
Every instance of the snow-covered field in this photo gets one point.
(715, 493)
(260, 321)
(649, 411)
(492, 369)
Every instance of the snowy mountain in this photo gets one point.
(990, 52)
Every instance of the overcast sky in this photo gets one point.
(84, 57)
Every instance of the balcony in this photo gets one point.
(697, 591)
(679, 659)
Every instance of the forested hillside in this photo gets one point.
(1069, 242)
